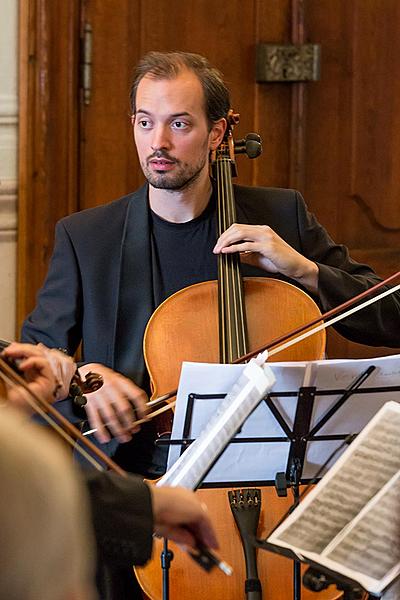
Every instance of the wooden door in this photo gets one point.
(336, 139)
(225, 32)
(351, 167)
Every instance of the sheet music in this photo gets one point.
(393, 593)
(239, 462)
(254, 462)
(371, 546)
(351, 521)
(247, 392)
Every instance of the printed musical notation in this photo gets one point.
(350, 522)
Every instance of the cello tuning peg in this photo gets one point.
(253, 145)
(253, 136)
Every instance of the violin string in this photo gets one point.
(34, 403)
(146, 419)
(59, 419)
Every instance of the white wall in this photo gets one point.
(8, 165)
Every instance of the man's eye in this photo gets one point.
(179, 125)
(144, 123)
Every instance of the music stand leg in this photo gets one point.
(294, 479)
(296, 580)
(166, 558)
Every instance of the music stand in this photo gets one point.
(362, 528)
(299, 435)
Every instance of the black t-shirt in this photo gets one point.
(182, 253)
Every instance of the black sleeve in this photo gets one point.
(122, 518)
(341, 278)
(57, 319)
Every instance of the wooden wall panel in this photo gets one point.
(328, 137)
(223, 32)
(273, 101)
(376, 101)
(352, 145)
(228, 38)
(48, 157)
(108, 163)
(336, 139)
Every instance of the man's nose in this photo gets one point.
(161, 138)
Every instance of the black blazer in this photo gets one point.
(122, 518)
(99, 284)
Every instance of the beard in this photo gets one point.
(182, 176)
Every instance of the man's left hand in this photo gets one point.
(261, 247)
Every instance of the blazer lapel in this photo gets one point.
(135, 294)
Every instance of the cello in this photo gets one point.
(231, 317)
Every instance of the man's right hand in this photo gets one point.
(115, 406)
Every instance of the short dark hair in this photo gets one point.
(167, 65)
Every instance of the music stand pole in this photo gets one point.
(166, 557)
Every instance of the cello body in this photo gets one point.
(185, 327)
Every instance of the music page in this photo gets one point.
(350, 522)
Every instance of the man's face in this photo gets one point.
(171, 130)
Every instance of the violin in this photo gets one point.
(78, 387)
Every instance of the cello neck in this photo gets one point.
(232, 315)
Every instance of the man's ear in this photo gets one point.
(217, 133)
(133, 117)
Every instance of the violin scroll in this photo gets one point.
(78, 387)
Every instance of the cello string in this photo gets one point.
(232, 314)
(221, 278)
(224, 307)
(234, 293)
(328, 322)
(236, 281)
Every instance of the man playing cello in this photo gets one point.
(112, 265)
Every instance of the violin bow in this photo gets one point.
(203, 556)
(277, 345)
(282, 342)
(58, 422)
